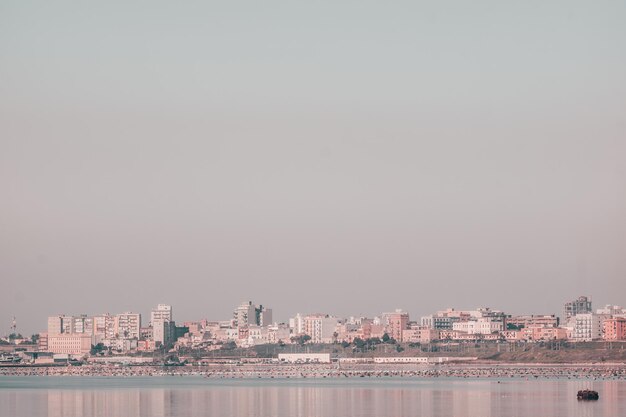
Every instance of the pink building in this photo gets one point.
(73, 344)
(369, 330)
(146, 345)
(544, 333)
(420, 334)
(615, 329)
(195, 327)
(396, 323)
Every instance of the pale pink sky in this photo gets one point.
(348, 157)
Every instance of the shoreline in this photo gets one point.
(332, 371)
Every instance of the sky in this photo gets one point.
(347, 157)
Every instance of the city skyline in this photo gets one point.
(252, 325)
(146, 316)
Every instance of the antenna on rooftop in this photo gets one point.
(13, 325)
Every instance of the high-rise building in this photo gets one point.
(55, 324)
(320, 327)
(244, 314)
(163, 332)
(67, 324)
(588, 327)
(104, 326)
(128, 325)
(162, 312)
(63, 324)
(263, 316)
(82, 324)
(395, 323)
(581, 305)
(296, 324)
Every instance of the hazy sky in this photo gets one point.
(348, 157)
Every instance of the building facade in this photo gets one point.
(72, 344)
(615, 328)
(534, 320)
(581, 305)
(163, 332)
(483, 326)
(588, 327)
(244, 314)
(104, 326)
(128, 325)
(161, 312)
(395, 323)
(321, 328)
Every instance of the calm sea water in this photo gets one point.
(196, 396)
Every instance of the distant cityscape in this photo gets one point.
(252, 325)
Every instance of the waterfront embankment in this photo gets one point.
(498, 371)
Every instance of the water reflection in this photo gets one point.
(425, 398)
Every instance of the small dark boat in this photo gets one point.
(587, 394)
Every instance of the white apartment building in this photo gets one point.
(296, 324)
(104, 326)
(480, 326)
(611, 310)
(162, 312)
(82, 324)
(128, 325)
(320, 328)
(163, 332)
(588, 326)
(245, 314)
(63, 324)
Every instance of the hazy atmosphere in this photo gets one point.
(344, 157)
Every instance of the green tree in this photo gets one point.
(96, 349)
(359, 343)
(229, 346)
(302, 339)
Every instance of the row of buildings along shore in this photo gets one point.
(251, 325)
